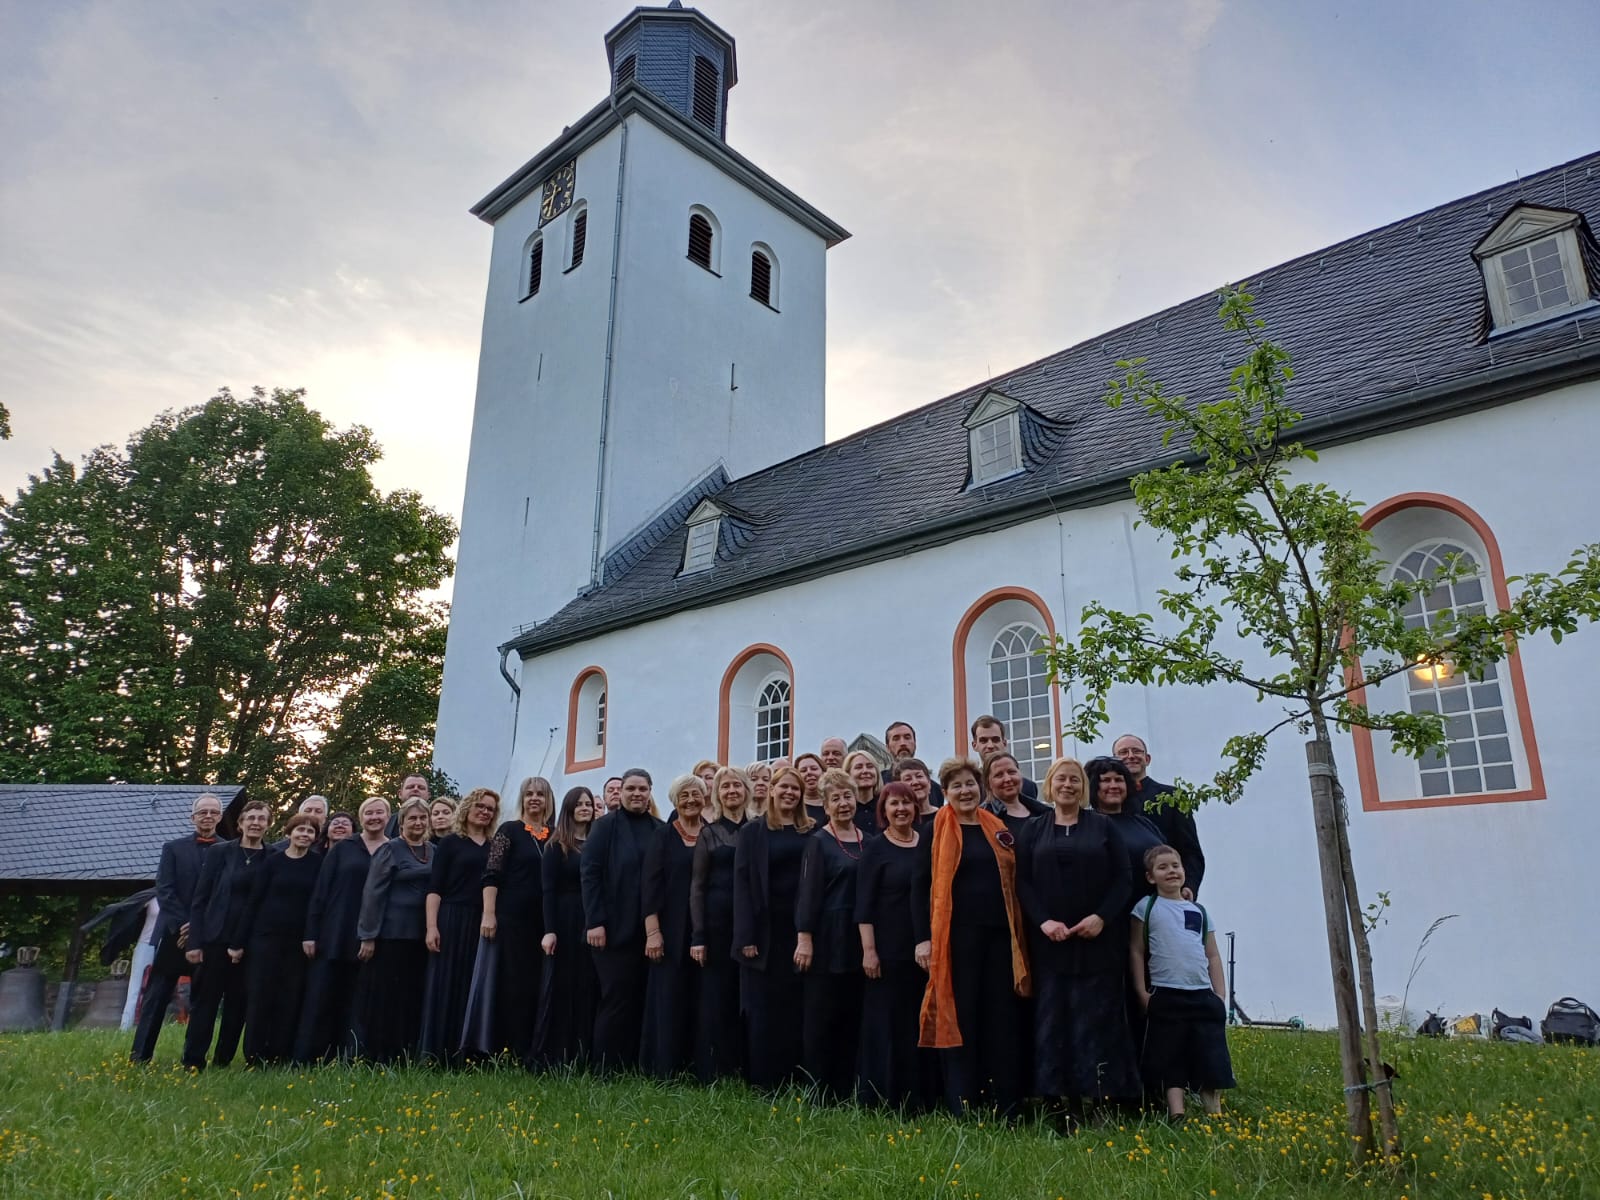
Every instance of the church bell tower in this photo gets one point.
(655, 315)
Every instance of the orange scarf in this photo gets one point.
(940, 1028)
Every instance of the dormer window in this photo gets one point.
(994, 439)
(1532, 266)
(700, 546)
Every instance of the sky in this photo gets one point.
(207, 193)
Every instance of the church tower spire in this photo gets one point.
(682, 57)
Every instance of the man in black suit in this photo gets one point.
(176, 880)
(1177, 827)
(220, 982)
(901, 739)
(989, 737)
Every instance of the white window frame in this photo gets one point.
(700, 541)
(1024, 730)
(763, 748)
(994, 422)
(1523, 228)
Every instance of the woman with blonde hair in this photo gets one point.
(454, 914)
(392, 925)
(978, 967)
(1073, 883)
(759, 775)
(766, 884)
(719, 1041)
(672, 987)
(866, 777)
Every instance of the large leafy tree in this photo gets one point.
(1285, 564)
(214, 602)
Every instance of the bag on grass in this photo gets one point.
(1516, 1033)
(1571, 1020)
(1470, 1025)
(1432, 1026)
(1500, 1022)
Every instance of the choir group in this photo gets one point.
(972, 939)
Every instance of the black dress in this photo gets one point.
(612, 866)
(826, 909)
(719, 1038)
(565, 1029)
(327, 1026)
(504, 1000)
(269, 926)
(988, 1070)
(1082, 1046)
(457, 879)
(892, 896)
(1035, 808)
(766, 870)
(393, 917)
(1139, 835)
(672, 987)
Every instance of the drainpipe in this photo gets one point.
(611, 335)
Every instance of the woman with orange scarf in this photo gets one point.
(979, 965)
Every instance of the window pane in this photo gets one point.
(1491, 722)
(1435, 783)
(1455, 700)
(1463, 754)
(1486, 695)
(1499, 779)
(1496, 750)
(1466, 783)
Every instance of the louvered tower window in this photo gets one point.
(625, 70)
(535, 266)
(700, 240)
(707, 92)
(760, 277)
(580, 234)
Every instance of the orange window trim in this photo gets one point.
(574, 764)
(726, 691)
(1366, 762)
(958, 658)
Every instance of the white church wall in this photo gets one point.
(874, 644)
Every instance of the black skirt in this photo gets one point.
(988, 1071)
(671, 1003)
(831, 1030)
(444, 999)
(894, 1070)
(1082, 1048)
(389, 999)
(773, 1003)
(503, 1006)
(327, 1019)
(564, 1032)
(719, 1038)
(275, 967)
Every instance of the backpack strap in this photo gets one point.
(1149, 907)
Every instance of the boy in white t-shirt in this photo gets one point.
(1177, 975)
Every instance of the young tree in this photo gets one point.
(192, 608)
(1286, 564)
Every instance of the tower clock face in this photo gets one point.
(558, 192)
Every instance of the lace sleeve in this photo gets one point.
(494, 871)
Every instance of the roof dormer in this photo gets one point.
(1532, 265)
(703, 526)
(1005, 437)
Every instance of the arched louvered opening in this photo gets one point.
(707, 92)
(700, 240)
(535, 267)
(760, 277)
(580, 235)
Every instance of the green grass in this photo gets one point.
(76, 1121)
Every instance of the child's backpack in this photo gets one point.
(1432, 1026)
(1571, 1020)
(1500, 1022)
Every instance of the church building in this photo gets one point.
(662, 561)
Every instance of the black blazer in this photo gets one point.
(336, 904)
(176, 880)
(1066, 878)
(221, 868)
(752, 914)
(611, 867)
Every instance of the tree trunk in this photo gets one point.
(1358, 1112)
(1388, 1123)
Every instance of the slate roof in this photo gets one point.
(1386, 328)
(55, 834)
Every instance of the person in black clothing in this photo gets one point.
(266, 939)
(220, 983)
(672, 987)
(454, 915)
(862, 771)
(989, 738)
(504, 1000)
(766, 883)
(565, 1027)
(313, 806)
(441, 817)
(914, 773)
(891, 914)
(828, 944)
(1110, 785)
(390, 929)
(1177, 827)
(1003, 782)
(1073, 883)
(810, 767)
(759, 776)
(176, 880)
(613, 862)
(901, 739)
(341, 826)
(719, 1039)
(328, 1024)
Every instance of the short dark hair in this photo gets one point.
(893, 725)
(253, 805)
(298, 820)
(1105, 765)
(1156, 852)
(639, 771)
(909, 764)
(606, 784)
(989, 719)
(412, 774)
(891, 791)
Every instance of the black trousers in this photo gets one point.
(622, 974)
(987, 1071)
(220, 984)
(165, 971)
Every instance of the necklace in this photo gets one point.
(420, 853)
(688, 838)
(911, 841)
(841, 843)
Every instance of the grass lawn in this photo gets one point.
(1480, 1120)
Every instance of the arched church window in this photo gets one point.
(772, 720)
(587, 712)
(700, 240)
(535, 267)
(1019, 687)
(1477, 755)
(580, 236)
(761, 278)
